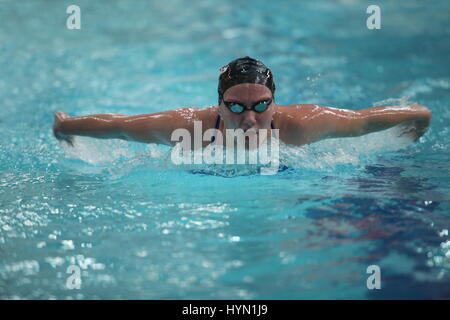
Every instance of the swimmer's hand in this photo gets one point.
(414, 129)
(59, 118)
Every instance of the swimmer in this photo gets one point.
(247, 101)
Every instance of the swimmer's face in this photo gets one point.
(247, 94)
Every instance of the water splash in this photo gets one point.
(119, 158)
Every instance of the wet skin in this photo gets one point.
(298, 124)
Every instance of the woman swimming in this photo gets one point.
(246, 101)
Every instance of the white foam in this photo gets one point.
(96, 151)
(120, 157)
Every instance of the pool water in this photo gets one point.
(138, 227)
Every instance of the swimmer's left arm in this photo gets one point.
(325, 122)
(415, 119)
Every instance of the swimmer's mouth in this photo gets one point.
(251, 136)
(251, 132)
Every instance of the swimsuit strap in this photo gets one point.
(218, 125)
(218, 122)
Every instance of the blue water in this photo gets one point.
(140, 228)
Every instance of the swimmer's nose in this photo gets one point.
(249, 120)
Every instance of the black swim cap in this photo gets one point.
(244, 70)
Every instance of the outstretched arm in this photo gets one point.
(327, 122)
(415, 119)
(97, 125)
(147, 128)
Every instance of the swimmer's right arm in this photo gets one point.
(146, 128)
(103, 126)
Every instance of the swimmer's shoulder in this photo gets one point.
(292, 120)
(293, 114)
(298, 108)
(207, 116)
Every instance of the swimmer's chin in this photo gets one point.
(254, 141)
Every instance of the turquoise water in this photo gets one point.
(141, 228)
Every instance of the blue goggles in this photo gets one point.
(259, 106)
